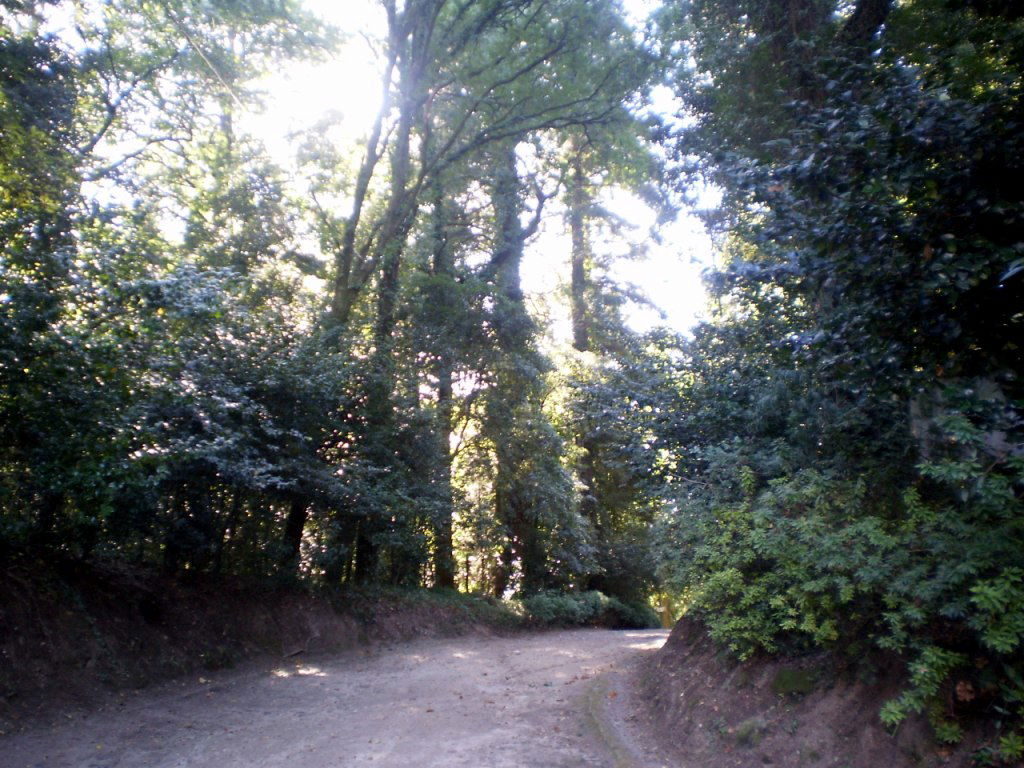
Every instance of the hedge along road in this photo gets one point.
(526, 700)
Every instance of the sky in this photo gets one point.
(299, 95)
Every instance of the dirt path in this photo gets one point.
(533, 700)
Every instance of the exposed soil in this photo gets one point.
(527, 700)
(714, 712)
(74, 634)
(376, 679)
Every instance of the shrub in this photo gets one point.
(576, 609)
(810, 562)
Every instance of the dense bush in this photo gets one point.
(847, 434)
(592, 608)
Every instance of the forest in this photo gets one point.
(328, 372)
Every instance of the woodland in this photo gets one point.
(329, 374)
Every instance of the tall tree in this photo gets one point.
(858, 377)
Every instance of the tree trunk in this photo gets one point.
(513, 329)
(341, 545)
(345, 291)
(444, 551)
(51, 505)
(294, 526)
(579, 203)
(227, 533)
(512, 322)
(443, 307)
(367, 556)
(172, 544)
(388, 250)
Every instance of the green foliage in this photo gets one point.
(792, 681)
(999, 613)
(798, 564)
(847, 438)
(149, 402)
(1011, 746)
(614, 405)
(463, 609)
(593, 608)
(171, 390)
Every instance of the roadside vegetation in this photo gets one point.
(847, 424)
(329, 375)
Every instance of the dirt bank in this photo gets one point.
(72, 634)
(715, 712)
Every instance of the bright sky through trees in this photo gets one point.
(348, 83)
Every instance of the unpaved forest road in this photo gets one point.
(509, 702)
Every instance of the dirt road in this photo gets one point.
(547, 700)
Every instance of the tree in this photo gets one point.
(191, 381)
(859, 369)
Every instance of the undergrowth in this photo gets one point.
(593, 608)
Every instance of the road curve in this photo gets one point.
(509, 702)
